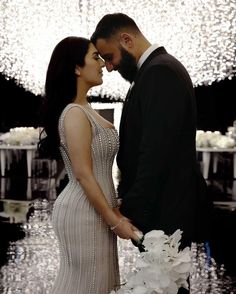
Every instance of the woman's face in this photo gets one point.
(91, 72)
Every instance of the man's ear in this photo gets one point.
(77, 70)
(126, 40)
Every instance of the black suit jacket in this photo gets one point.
(161, 185)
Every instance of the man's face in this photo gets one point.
(117, 58)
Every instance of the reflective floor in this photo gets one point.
(28, 263)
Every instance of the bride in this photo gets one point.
(84, 216)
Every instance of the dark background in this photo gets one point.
(216, 105)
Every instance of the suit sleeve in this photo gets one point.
(162, 116)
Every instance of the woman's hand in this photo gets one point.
(126, 230)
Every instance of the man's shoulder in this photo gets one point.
(165, 59)
(159, 63)
(163, 62)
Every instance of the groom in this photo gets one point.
(161, 185)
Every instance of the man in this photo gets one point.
(161, 185)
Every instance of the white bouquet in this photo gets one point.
(162, 268)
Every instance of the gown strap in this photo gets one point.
(62, 117)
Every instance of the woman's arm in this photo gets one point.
(78, 138)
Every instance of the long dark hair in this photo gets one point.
(60, 90)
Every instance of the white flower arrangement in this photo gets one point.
(21, 136)
(162, 268)
(214, 140)
(15, 210)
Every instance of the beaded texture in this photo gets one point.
(88, 248)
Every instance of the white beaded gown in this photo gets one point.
(88, 248)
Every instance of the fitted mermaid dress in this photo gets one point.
(88, 248)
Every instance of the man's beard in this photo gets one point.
(127, 67)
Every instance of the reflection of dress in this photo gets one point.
(88, 248)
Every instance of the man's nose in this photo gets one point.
(109, 66)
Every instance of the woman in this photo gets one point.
(84, 215)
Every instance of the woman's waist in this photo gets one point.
(75, 189)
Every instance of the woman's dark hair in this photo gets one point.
(110, 24)
(60, 90)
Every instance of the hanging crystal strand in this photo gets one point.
(227, 285)
(194, 275)
(224, 281)
(204, 269)
(199, 283)
(214, 281)
(207, 276)
(84, 16)
(29, 257)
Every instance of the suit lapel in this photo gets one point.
(125, 105)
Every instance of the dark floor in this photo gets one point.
(18, 193)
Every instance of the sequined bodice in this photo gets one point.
(105, 143)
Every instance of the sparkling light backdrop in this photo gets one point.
(201, 33)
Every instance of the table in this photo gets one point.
(206, 157)
(30, 151)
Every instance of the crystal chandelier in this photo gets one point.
(200, 33)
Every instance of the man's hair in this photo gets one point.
(110, 24)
